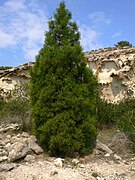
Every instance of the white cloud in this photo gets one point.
(15, 5)
(6, 39)
(99, 17)
(89, 38)
(22, 26)
(117, 34)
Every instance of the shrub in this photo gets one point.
(17, 109)
(126, 118)
(5, 67)
(123, 44)
(121, 115)
(106, 113)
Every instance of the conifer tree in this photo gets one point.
(63, 91)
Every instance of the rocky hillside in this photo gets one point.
(114, 67)
(21, 158)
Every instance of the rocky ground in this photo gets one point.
(22, 159)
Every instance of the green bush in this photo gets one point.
(63, 91)
(5, 67)
(123, 44)
(106, 113)
(121, 115)
(16, 111)
(126, 117)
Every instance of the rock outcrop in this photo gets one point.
(16, 145)
(14, 78)
(115, 69)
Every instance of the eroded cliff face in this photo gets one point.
(115, 69)
(13, 78)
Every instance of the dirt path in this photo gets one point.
(100, 170)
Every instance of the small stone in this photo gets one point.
(133, 159)
(3, 158)
(8, 136)
(25, 134)
(7, 167)
(58, 162)
(75, 161)
(107, 155)
(117, 157)
(8, 146)
(52, 173)
(29, 158)
(132, 169)
(82, 166)
(18, 135)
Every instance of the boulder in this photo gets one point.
(7, 167)
(15, 145)
(32, 143)
(19, 150)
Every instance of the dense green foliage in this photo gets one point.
(121, 115)
(15, 111)
(126, 117)
(63, 91)
(106, 113)
(123, 43)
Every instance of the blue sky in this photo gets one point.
(23, 23)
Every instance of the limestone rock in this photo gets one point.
(117, 157)
(114, 68)
(75, 161)
(32, 143)
(107, 155)
(25, 134)
(19, 150)
(9, 127)
(7, 167)
(15, 145)
(3, 158)
(30, 158)
(58, 162)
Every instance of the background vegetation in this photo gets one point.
(17, 109)
(5, 67)
(121, 115)
(123, 44)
